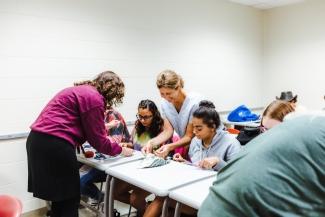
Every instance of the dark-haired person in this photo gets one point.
(177, 107)
(73, 116)
(148, 126)
(210, 148)
(145, 137)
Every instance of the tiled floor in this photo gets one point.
(88, 213)
(84, 212)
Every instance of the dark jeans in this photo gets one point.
(87, 186)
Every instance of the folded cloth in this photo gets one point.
(152, 160)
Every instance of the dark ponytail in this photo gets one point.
(208, 114)
(207, 104)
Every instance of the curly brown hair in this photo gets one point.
(109, 85)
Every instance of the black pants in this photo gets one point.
(65, 208)
(53, 173)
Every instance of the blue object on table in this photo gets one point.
(99, 156)
(242, 114)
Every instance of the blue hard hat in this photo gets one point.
(241, 114)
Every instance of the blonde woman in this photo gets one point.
(177, 107)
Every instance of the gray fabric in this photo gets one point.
(180, 120)
(279, 173)
(223, 145)
(152, 161)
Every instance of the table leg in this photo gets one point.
(111, 198)
(106, 197)
(177, 209)
(164, 211)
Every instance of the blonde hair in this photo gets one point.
(169, 79)
(109, 85)
(278, 109)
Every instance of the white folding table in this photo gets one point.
(158, 180)
(107, 163)
(191, 195)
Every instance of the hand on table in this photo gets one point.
(127, 151)
(147, 148)
(163, 151)
(178, 157)
(126, 144)
(209, 162)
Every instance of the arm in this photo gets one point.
(157, 141)
(129, 144)
(233, 149)
(164, 135)
(218, 163)
(185, 140)
(93, 125)
(112, 124)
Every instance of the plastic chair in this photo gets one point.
(10, 206)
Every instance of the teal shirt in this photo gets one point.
(279, 173)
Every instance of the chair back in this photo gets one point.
(10, 206)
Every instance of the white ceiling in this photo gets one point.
(266, 4)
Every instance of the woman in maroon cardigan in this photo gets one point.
(73, 116)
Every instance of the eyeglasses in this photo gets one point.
(140, 117)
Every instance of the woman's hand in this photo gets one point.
(112, 124)
(127, 151)
(163, 151)
(178, 157)
(126, 144)
(209, 162)
(147, 148)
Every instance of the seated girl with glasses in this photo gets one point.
(146, 136)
